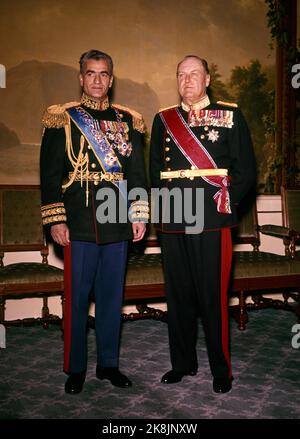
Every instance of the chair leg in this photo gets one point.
(45, 312)
(286, 296)
(243, 315)
(2, 309)
(287, 250)
(298, 308)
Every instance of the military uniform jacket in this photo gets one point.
(69, 205)
(229, 144)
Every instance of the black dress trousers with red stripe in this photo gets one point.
(197, 269)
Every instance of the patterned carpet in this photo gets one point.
(265, 366)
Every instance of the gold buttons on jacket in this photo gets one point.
(206, 128)
(167, 159)
(202, 136)
(168, 139)
(89, 146)
(96, 183)
(93, 165)
(167, 149)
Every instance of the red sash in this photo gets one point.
(196, 154)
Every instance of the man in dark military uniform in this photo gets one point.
(89, 147)
(199, 145)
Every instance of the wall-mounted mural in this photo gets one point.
(41, 42)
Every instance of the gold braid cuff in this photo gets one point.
(53, 213)
(139, 211)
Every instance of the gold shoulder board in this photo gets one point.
(167, 108)
(137, 118)
(228, 104)
(55, 116)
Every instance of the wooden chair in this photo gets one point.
(256, 273)
(290, 231)
(144, 284)
(21, 230)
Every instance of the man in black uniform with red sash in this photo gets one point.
(205, 146)
(90, 149)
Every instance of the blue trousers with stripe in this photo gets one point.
(101, 268)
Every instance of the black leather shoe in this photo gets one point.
(114, 376)
(75, 383)
(222, 385)
(172, 376)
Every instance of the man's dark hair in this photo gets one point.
(97, 55)
(201, 60)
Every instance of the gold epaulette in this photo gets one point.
(55, 116)
(227, 104)
(137, 118)
(167, 108)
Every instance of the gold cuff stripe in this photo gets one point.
(139, 209)
(50, 206)
(53, 211)
(54, 219)
(139, 215)
(142, 202)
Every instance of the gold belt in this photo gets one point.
(97, 176)
(187, 173)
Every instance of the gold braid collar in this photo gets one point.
(94, 104)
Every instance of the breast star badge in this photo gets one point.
(213, 135)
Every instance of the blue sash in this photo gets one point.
(98, 142)
(96, 139)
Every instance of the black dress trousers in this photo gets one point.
(197, 269)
